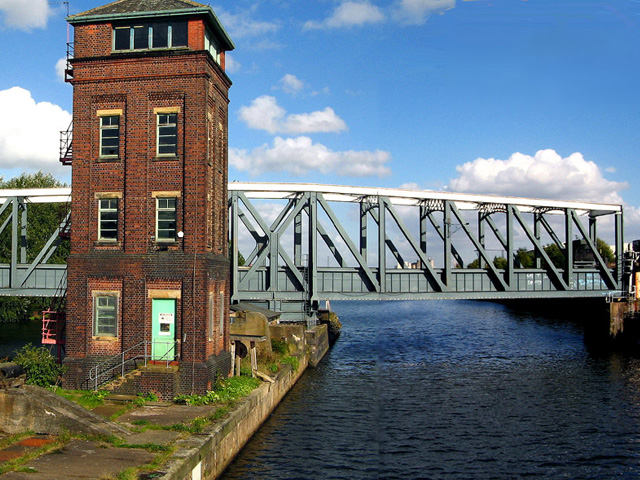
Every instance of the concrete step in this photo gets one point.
(119, 398)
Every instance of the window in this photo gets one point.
(221, 297)
(167, 134)
(144, 36)
(211, 317)
(211, 46)
(109, 136)
(108, 219)
(105, 315)
(166, 219)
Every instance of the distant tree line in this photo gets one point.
(527, 259)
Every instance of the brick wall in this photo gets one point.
(136, 86)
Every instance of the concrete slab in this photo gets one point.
(107, 409)
(157, 437)
(82, 459)
(167, 415)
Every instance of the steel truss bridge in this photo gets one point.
(322, 242)
(303, 243)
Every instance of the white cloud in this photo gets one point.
(61, 66)
(231, 65)
(409, 186)
(358, 13)
(291, 84)
(300, 156)
(30, 133)
(416, 12)
(544, 175)
(25, 15)
(242, 25)
(350, 14)
(264, 113)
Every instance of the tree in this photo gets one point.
(605, 251)
(500, 262)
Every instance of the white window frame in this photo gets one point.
(148, 26)
(211, 46)
(100, 310)
(221, 306)
(109, 209)
(164, 208)
(160, 123)
(211, 317)
(103, 129)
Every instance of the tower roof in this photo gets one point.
(138, 9)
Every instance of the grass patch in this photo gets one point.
(18, 463)
(15, 438)
(227, 390)
(293, 361)
(85, 398)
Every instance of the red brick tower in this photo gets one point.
(148, 259)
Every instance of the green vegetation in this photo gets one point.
(241, 260)
(279, 346)
(227, 390)
(85, 398)
(293, 361)
(334, 325)
(16, 464)
(40, 366)
(526, 258)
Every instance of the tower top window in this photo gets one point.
(145, 36)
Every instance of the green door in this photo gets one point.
(163, 312)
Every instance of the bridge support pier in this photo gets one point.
(620, 312)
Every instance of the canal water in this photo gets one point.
(455, 390)
(14, 336)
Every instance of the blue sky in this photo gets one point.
(532, 98)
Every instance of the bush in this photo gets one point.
(40, 366)
(279, 346)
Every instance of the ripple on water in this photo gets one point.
(453, 390)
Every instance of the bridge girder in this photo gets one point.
(283, 270)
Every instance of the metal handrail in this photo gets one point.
(98, 370)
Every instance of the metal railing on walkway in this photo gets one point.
(108, 369)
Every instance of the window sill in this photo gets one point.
(173, 245)
(166, 158)
(107, 159)
(146, 50)
(107, 243)
(104, 339)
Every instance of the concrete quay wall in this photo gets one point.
(208, 454)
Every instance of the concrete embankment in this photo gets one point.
(207, 454)
(196, 456)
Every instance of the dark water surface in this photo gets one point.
(454, 390)
(14, 336)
